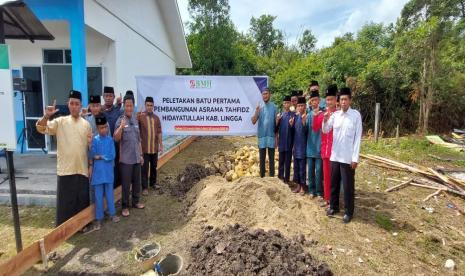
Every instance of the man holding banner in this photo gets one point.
(266, 117)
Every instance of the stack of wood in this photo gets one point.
(425, 177)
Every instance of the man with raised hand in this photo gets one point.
(74, 137)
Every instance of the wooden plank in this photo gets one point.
(25, 259)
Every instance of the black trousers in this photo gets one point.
(72, 196)
(117, 181)
(130, 177)
(150, 161)
(301, 175)
(344, 172)
(284, 166)
(296, 171)
(262, 155)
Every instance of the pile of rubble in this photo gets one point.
(237, 250)
(234, 165)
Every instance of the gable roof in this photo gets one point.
(175, 30)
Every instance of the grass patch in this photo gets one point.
(429, 243)
(384, 221)
(412, 149)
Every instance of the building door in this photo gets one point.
(33, 107)
(58, 81)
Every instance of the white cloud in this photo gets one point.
(326, 18)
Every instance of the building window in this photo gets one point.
(68, 56)
(57, 56)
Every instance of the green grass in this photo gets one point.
(412, 149)
(384, 221)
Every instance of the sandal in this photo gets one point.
(125, 213)
(139, 206)
(115, 219)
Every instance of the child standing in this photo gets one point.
(314, 122)
(102, 155)
(300, 144)
(285, 135)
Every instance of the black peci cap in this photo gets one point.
(100, 120)
(94, 99)
(315, 94)
(301, 100)
(108, 89)
(286, 98)
(332, 90)
(75, 95)
(345, 91)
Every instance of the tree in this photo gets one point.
(212, 37)
(307, 42)
(265, 35)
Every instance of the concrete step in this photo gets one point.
(30, 199)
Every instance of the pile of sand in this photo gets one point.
(264, 203)
(237, 250)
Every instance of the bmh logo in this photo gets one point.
(200, 84)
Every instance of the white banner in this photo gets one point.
(8, 125)
(203, 105)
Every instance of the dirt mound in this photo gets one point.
(237, 250)
(264, 203)
(192, 174)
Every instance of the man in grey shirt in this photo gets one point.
(130, 158)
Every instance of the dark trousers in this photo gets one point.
(315, 186)
(72, 196)
(296, 171)
(344, 172)
(117, 181)
(262, 154)
(284, 166)
(130, 177)
(300, 177)
(150, 161)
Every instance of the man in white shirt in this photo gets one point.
(347, 134)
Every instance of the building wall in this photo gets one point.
(141, 48)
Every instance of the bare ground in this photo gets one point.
(391, 234)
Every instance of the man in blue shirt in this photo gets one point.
(314, 86)
(285, 143)
(300, 145)
(102, 156)
(95, 108)
(112, 112)
(266, 117)
(314, 121)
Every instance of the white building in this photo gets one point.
(97, 43)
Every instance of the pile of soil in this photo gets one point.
(192, 174)
(237, 250)
(264, 203)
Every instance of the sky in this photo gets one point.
(326, 18)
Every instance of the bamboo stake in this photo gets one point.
(433, 194)
(397, 187)
(444, 188)
(446, 180)
(427, 187)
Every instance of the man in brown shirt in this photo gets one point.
(152, 144)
